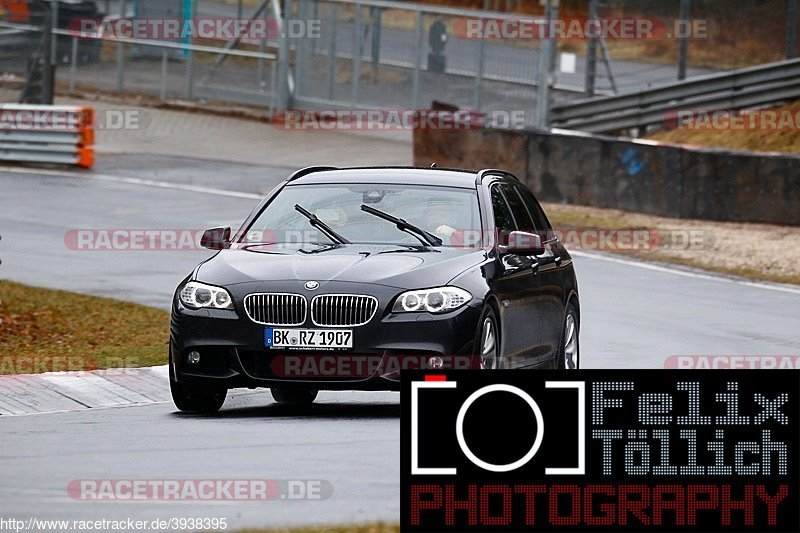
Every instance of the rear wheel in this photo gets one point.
(193, 400)
(569, 356)
(294, 395)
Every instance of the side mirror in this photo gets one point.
(216, 239)
(522, 243)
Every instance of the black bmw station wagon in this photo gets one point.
(340, 278)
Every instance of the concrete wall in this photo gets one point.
(643, 176)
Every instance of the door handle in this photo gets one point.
(558, 260)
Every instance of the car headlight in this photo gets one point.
(199, 295)
(438, 300)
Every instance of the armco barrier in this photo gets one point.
(47, 134)
(634, 175)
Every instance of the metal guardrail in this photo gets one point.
(47, 134)
(739, 89)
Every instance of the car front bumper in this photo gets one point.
(233, 352)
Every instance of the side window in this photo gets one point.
(540, 221)
(503, 219)
(518, 209)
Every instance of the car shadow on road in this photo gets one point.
(325, 411)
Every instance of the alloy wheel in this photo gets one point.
(570, 352)
(488, 344)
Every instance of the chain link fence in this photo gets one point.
(364, 54)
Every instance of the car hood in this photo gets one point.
(403, 267)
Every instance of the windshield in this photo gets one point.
(449, 213)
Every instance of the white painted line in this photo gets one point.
(132, 181)
(686, 273)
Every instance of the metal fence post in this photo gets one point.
(377, 17)
(359, 36)
(283, 59)
(190, 60)
(73, 66)
(331, 75)
(262, 66)
(791, 29)
(591, 53)
(54, 42)
(684, 39)
(479, 72)
(417, 61)
(47, 64)
(299, 52)
(274, 88)
(121, 50)
(120, 67)
(545, 62)
(164, 73)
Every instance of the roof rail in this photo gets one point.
(309, 170)
(494, 172)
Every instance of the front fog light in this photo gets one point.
(193, 358)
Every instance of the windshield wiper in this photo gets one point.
(424, 237)
(320, 225)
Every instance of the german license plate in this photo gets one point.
(318, 339)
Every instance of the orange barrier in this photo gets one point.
(47, 134)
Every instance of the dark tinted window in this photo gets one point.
(540, 221)
(503, 218)
(518, 209)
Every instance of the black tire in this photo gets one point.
(194, 400)
(570, 317)
(494, 361)
(299, 395)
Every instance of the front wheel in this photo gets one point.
(193, 400)
(297, 395)
(488, 341)
(569, 356)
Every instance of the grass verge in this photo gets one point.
(720, 245)
(44, 330)
(780, 137)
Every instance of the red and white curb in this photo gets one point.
(75, 391)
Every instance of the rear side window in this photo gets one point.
(518, 209)
(540, 221)
(503, 219)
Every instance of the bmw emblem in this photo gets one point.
(312, 285)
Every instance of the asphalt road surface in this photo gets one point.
(634, 316)
(350, 441)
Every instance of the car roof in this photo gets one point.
(443, 177)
